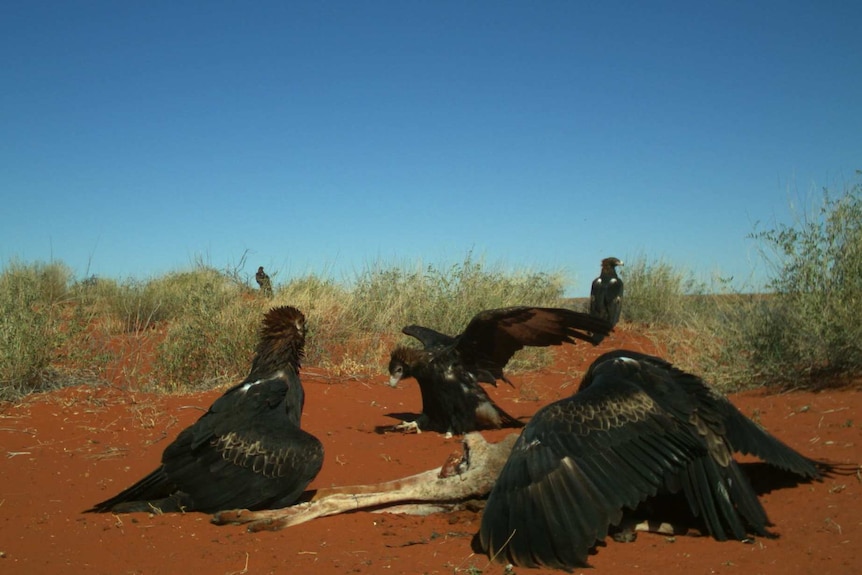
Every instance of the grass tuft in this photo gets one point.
(199, 325)
(32, 306)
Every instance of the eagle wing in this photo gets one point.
(597, 298)
(742, 434)
(429, 338)
(246, 452)
(577, 465)
(493, 336)
(636, 426)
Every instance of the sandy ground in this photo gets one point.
(63, 451)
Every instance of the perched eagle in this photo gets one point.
(247, 451)
(449, 369)
(606, 293)
(263, 281)
(636, 427)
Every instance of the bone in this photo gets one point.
(471, 477)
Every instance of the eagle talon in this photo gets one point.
(408, 427)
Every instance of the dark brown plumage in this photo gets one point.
(247, 451)
(606, 292)
(263, 281)
(449, 369)
(636, 427)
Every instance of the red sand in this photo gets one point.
(63, 451)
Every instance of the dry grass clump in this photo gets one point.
(803, 332)
(388, 298)
(198, 327)
(33, 328)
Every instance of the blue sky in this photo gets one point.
(327, 137)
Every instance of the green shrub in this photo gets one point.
(804, 331)
(811, 327)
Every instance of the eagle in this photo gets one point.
(262, 279)
(449, 369)
(637, 427)
(606, 292)
(248, 450)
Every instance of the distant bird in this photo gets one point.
(263, 281)
(449, 369)
(636, 427)
(606, 292)
(247, 451)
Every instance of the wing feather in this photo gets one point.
(429, 338)
(250, 455)
(721, 416)
(636, 427)
(493, 336)
(574, 469)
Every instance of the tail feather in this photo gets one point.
(507, 420)
(154, 486)
(724, 499)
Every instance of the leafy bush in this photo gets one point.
(804, 331)
(812, 325)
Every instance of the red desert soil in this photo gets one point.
(63, 451)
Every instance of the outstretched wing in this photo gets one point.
(637, 425)
(429, 338)
(577, 465)
(493, 336)
(745, 436)
(742, 434)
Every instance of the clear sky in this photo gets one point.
(328, 136)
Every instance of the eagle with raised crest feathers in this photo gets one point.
(248, 450)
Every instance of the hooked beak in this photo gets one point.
(393, 380)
